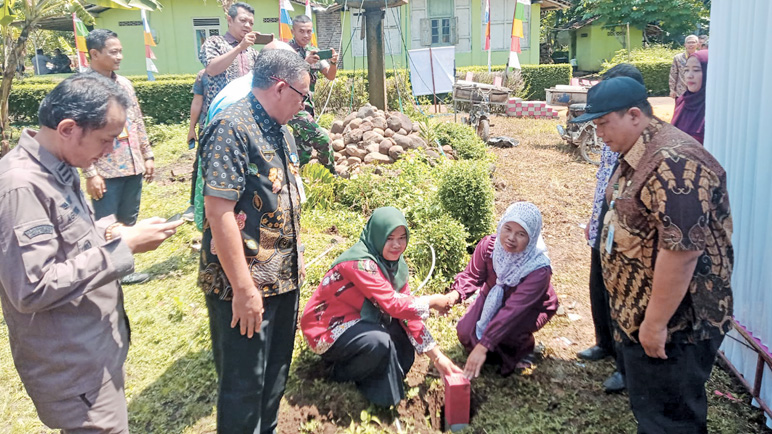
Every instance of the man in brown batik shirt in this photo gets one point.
(666, 255)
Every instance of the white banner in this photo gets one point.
(443, 60)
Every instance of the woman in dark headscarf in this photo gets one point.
(689, 115)
(362, 318)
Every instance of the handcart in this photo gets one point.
(480, 97)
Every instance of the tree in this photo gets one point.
(674, 17)
(19, 18)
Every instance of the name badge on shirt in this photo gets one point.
(124, 134)
(610, 239)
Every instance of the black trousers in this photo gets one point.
(252, 373)
(376, 357)
(667, 396)
(599, 304)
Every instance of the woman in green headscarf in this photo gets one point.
(362, 318)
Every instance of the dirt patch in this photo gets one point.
(178, 171)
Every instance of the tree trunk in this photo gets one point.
(16, 53)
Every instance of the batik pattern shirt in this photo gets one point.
(336, 306)
(668, 193)
(214, 47)
(131, 148)
(608, 159)
(248, 158)
(677, 79)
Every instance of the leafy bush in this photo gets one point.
(656, 76)
(652, 53)
(462, 138)
(447, 237)
(405, 184)
(325, 120)
(536, 78)
(350, 90)
(410, 185)
(166, 101)
(24, 101)
(654, 63)
(319, 185)
(466, 192)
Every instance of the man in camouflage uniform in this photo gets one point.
(308, 134)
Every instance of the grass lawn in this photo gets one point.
(171, 385)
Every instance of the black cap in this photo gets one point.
(611, 95)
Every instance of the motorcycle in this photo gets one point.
(583, 135)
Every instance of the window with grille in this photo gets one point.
(204, 28)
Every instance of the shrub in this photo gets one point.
(319, 185)
(405, 184)
(654, 63)
(536, 78)
(466, 192)
(325, 120)
(350, 91)
(447, 237)
(651, 53)
(24, 101)
(166, 101)
(462, 138)
(656, 76)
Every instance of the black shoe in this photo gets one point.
(614, 383)
(135, 278)
(593, 353)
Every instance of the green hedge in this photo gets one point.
(656, 76)
(536, 77)
(166, 101)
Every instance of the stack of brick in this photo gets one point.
(530, 109)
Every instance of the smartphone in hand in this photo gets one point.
(192, 144)
(262, 39)
(324, 54)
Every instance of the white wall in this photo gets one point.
(738, 134)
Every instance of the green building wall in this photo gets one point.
(475, 57)
(176, 53)
(176, 44)
(598, 45)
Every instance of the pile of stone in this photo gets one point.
(372, 136)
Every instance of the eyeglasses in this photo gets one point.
(305, 96)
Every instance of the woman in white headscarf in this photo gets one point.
(511, 271)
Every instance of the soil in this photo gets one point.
(551, 174)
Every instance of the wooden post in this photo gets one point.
(375, 58)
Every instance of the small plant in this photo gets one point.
(319, 185)
(462, 138)
(325, 120)
(466, 192)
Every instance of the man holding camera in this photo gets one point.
(307, 132)
(229, 56)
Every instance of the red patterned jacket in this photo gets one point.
(336, 304)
